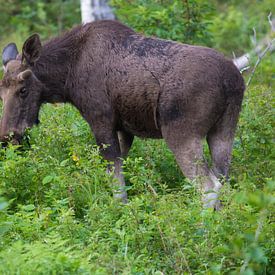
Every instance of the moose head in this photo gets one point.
(20, 90)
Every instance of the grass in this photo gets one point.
(57, 215)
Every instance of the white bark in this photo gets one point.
(92, 10)
(260, 49)
(244, 61)
(86, 11)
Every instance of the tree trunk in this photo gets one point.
(92, 10)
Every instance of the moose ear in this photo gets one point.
(31, 49)
(9, 53)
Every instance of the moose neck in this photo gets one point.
(55, 66)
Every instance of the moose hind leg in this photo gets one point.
(189, 155)
(220, 141)
(220, 149)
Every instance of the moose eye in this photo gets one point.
(23, 91)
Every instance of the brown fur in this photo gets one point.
(126, 85)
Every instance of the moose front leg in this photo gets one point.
(119, 181)
(110, 150)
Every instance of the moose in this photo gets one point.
(124, 85)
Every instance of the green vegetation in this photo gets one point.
(177, 20)
(57, 215)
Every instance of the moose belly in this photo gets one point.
(137, 114)
(142, 123)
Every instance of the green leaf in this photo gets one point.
(29, 207)
(47, 179)
(3, 205)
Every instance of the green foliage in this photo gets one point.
(265, 74)
(232, 25)
(45, 17)
(227, 27)
(255, 135)
(184, 21)
(20, 19)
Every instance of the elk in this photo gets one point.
(124, 85)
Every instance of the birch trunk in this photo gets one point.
(92, 10)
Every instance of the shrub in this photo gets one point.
(184, 21)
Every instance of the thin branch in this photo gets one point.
(260, 57)
(153, 191)
(244, 69)
(270, 22)
(254, 38)
(243, 61)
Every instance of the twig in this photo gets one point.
(244, 69)
(270, 22)
(243, 61)
(162, 239)
(153, 191)
(254, 38)
(260, 57)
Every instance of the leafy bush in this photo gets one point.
(233, 23)
(254, 139)
(227, 27)
(184, 21)
(45, 17)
